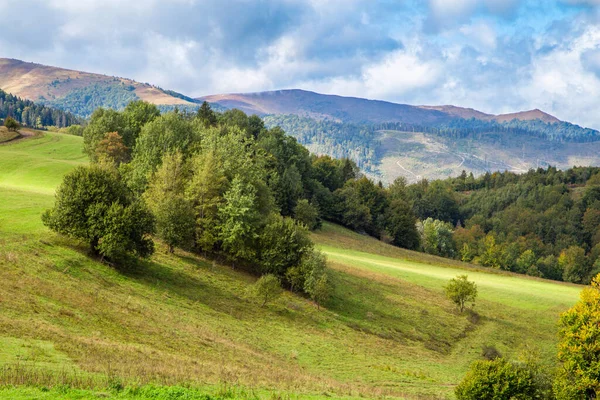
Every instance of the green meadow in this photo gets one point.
(182, 326)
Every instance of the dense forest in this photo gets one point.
(474, 128)
(28, 113)
(337, 139)
(84, 101)
(544, 223)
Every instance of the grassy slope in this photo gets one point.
(179, 319)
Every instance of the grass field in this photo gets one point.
(72, 328)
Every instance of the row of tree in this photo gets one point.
(33, 115)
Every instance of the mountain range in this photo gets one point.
(385, 139)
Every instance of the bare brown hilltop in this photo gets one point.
(35, 81)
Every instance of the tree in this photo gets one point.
(111, 150)
(579, 347)
(92, 204)
(283, 243)
(239, 220)
(461, 291)
(267, 288)
(316, 281)
(307, 214)
(11, 124)
(436, 237)
(101, 122)
(206, 115)
(574, 264)
(498, 379)
(400, 224)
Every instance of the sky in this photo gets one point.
(496, 56)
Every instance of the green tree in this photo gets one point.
(101, 122)
(205, 192)
(436, 237)
(92, 204)
(307, 214)
(175, 222)
(317, 283)
(283, 244)
(461, 291)
(206, 115)
(239, 221)
(11, 124)
(579, 347)
(401, 224)
(574, 264)
(267, 288)
(498, 380)
(135, 115)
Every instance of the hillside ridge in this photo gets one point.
(37, 82)
(355, 109)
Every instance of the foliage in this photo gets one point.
(111, 150)
(34, 115)
(85, 100)
(11, 124)
(579, 349)
(498, 379)
(267, 288)
(307, 214)
(92, 204)
(436, 237)
(461, 291)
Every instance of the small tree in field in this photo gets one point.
(267, 288)
(461, 291)
(11, 124)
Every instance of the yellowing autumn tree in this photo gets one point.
(579, 348)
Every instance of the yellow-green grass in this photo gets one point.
(181, 319)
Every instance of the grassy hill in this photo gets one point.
(76, 91)
(71, 327)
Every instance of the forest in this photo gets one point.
(542, 223)
(33, 115)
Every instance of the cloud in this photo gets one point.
(493, 55)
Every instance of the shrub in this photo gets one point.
(460, 291)
(499, 380)
(11, 124)
(267, 288)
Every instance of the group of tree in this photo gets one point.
(221, 185)
(576, 378)
(28, 113)
(544, 223)
(459, 128)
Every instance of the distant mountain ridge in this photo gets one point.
(76, 91)
(358, 110)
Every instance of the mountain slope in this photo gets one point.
(178, 318)
(358, 110)
(71, 90)
(320, 106)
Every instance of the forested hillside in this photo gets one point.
(34, 115)
(542, 223)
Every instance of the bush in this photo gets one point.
(92, 204)
(316, 283)
(461, 291)
(11, 124)
(267, 288)
(499, 380)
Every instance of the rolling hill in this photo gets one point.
(76, 91)
(71, 327)
(358, 110)
(389, 140)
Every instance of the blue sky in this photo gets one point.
(493, 55)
